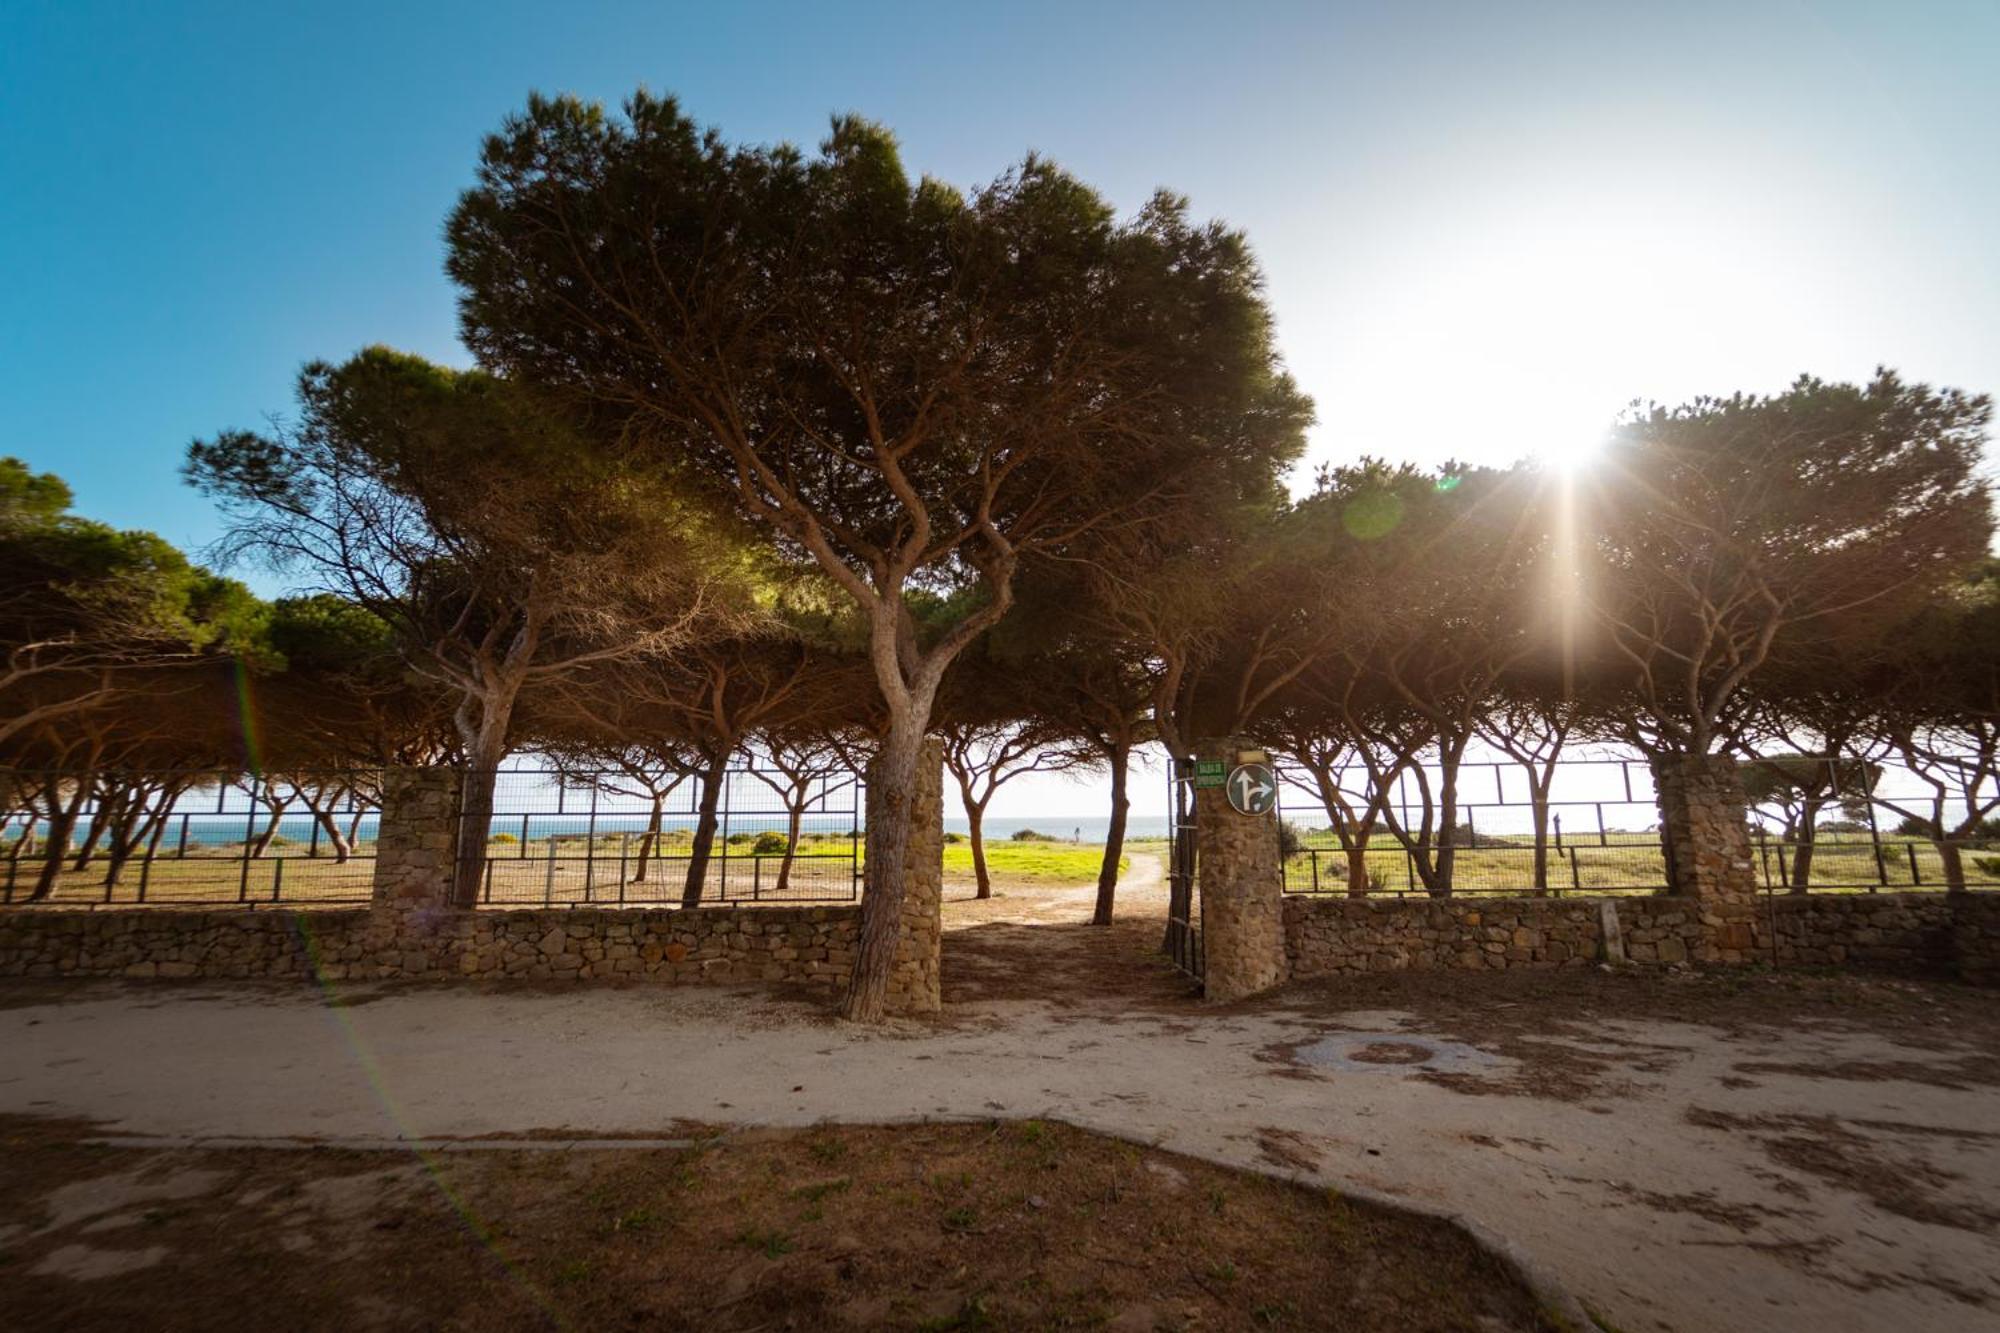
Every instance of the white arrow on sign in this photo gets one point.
(1251, 788)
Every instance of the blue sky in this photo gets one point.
(1486, 227)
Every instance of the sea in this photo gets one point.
(207, 829)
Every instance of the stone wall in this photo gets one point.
(1328, 935)
(1241, 885)
(712, 945)
(1976, 938)
(1705, 835)
(916, 986)
(1902, 931)
(411, 931)
(416, 838)
(1920, 932)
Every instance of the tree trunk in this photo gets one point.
(975, 820)
(712, 779)
(795, 815)
(1358, 883)
(1538, 795)
(1114, 836)
(55, 849)
(95, 830)
(892, 780)
(475, 823)
(1447, 852)
(1954, 865)
(159, 832)
(650, 840)
(342, 846)
(1802, 854)
(126, 835)
(263, 842)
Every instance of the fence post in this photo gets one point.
(914, 984)
(416, 836)
(1242, 883)
(249, 835)
(1705, 832)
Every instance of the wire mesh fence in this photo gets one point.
(1577, 826)
(745, 834)
(1590, 826)
(740, 834)
(188, 839)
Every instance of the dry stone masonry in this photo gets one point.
(916, 986)
(714, 945)
(411, 932)
(1916, 932)
(1706, 834)
(1242, 886)
(1256, 937)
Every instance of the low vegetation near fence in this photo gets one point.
(1625, 863)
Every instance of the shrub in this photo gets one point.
(770, 843)
(1290, 840)
(1029, 835)
(741, 839)
(1988, 865)
(505, 838)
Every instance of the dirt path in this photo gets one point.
(1729, 1152)
(1036, 943)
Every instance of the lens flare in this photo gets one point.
(371, 1073)
(246, 714)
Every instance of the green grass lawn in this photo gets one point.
(1632, 861)
(1041, 862)
(824, 870)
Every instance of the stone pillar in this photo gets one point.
(416, 838)
(914, 986)
(1242, 885)
(1705, 833)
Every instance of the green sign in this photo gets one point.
(1210, 773)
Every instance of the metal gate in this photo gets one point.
(1183, 938)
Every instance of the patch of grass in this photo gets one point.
(771, 1244)
(970, 1315)
(637, 1220)
(1063, 862)
(814, 1193)
(890, 1234)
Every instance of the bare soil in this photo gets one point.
(1572, 1032)
(1015, 1224)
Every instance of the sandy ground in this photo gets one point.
(1697, 1170)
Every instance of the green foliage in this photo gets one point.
(29, 499)
(771, 843)
(123, 590)
(1030, 835)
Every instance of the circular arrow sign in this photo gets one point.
(1253, 789)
